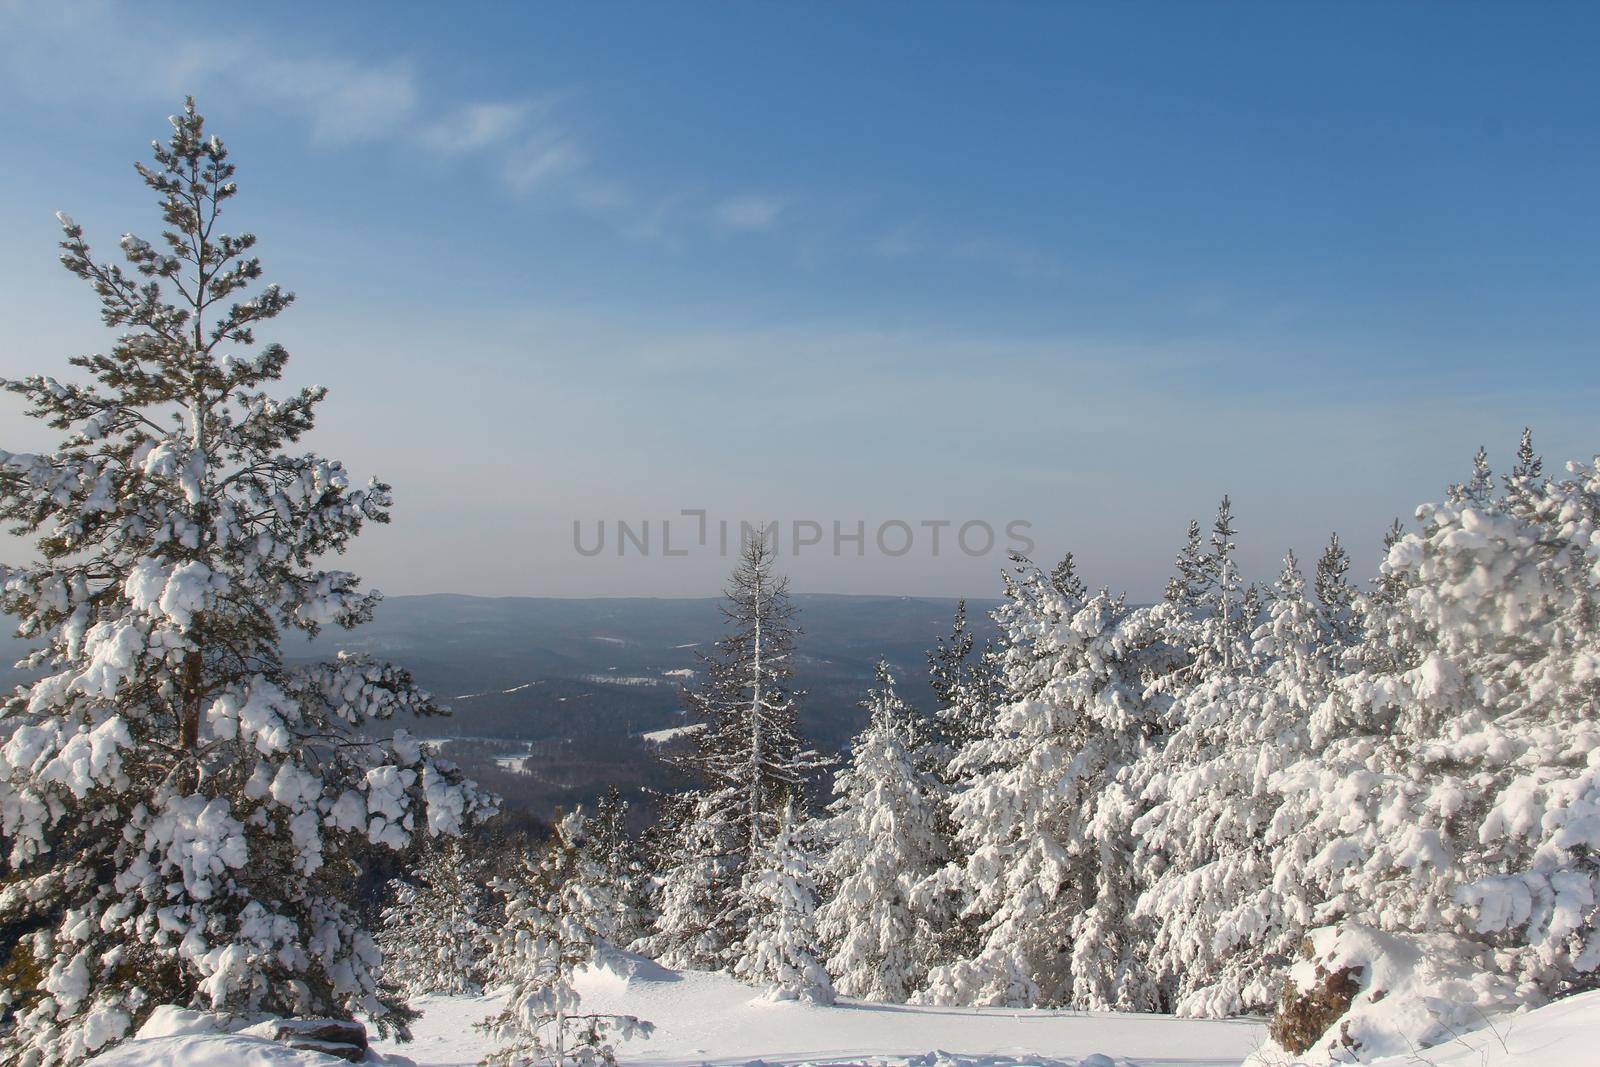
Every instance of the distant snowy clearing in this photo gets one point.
(661, 737)
(623, 679)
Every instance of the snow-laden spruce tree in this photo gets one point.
(537, 952)
(184, 811)
(1225, 912)
(1336, 599)
(1527, 475)
(696, 887)
(968, 686)
(749, 760)
(615, 870)
(1191, 581)
(590, 867)
(884, 837)
(750, 751)
(436, 929)
(1045, 808)
(780, 949)
(1211, 620)
(1450, 808)
(965, 682)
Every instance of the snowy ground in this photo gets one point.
(710, 1018)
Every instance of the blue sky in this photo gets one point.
(1089, 266)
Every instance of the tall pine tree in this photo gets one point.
(749, 760)
(185, 808)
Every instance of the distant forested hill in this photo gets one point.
(581, 681)
(538, 669)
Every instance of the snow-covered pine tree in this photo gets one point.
(574, 881)
(1224, 920)
(1226, 629)
(1192, 580)
(885, 836)
(1478, 490)
(1525, 482)
(948, 659)
(183, 809)
(1335, 596)
(751, 750)
(966, 686)
(963, 678)
(950, 894)
(780, 949)
(1043, 815)
(1252, 607)
(1209, 617)
(749, 759)
(537, 952)
(1064, 578)
(620, 869)
(1385, 590)
(436, 930)
(1450, 805)
(590, 865)
(697, 880)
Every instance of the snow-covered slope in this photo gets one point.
(1562, 1034)
(710, 1018)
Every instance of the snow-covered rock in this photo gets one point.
(225, 1050)
(182, 1037)
(615, 969)
(1405, 991)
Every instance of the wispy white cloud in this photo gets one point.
(749, 211)
(475, 127)
(340, 100)
(536, 145)
(537, 162)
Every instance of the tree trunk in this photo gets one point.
(189, 723)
